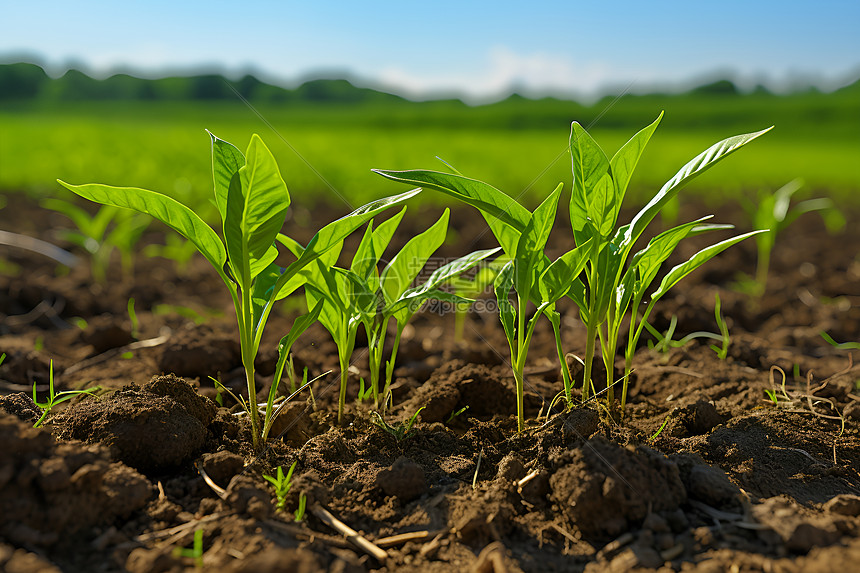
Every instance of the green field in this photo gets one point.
(326, 149)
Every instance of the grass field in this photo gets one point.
(326, 151)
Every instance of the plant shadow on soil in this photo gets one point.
(115, 483)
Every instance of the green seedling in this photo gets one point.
(196, 551)
(840, 345)
(252, 200)
(456, 413)
(93, 236)
(176, 249)
(659, 431)
(771, 394)
(300, 511)
(402, 430)
(55, 398)
(282, 485)
(616, 280)
(362, 296)
(773, 213)
(132, 316)
(663, 341)
(725, 340)
(364, 394)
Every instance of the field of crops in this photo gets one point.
(582, 377)
(327, 150)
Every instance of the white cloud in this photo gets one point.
(505, 71)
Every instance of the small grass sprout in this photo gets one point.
(401, 430)
(176, 249)
(196, 551)
(252, 200)
(616, 279)
(282, 485)
(93, 236)
(132, 316)
(725, 340)
(840, 345)
(55, 398)
(663, 341)
(300, 511)
(773, 213)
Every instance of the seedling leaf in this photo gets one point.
(678, 272)
(167, 210)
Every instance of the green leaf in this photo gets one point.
(590, 168)
(262, 290)
(365, 258)
(505, 217)
(624, 162)
(649, 259)
(414, 296)
(257, 203)
(334, 233)
(533, 241)
(559, 277)
(678, 272)
(330, 316)
(695, 167)
(502, 285)
(169, 211)
(226, 162)
(406, 264)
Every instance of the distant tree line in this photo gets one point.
(24, 81)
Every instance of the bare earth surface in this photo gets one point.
(733, 482)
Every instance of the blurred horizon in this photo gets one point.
(477, 52)
(721, 82)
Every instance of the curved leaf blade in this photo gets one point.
(505, 217)
(226, 162)
(692, 169)
(559, 277)
(624, 162)
(406, 264)
(678, 272)
(167, 210)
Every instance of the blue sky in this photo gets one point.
(476, 49)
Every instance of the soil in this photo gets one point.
(732, 482)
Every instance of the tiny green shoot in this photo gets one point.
(196, 551)
(281, 484)
(176, 249)
(840, 345)
(55, 398)
(456, 413)
(661, 428)
(402, 430)
(723, 350)
(300, 511)
(773, 213)
(132, 316)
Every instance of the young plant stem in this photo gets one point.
(520, 359)
(555, 320)
(389, 366)
(247, 347)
